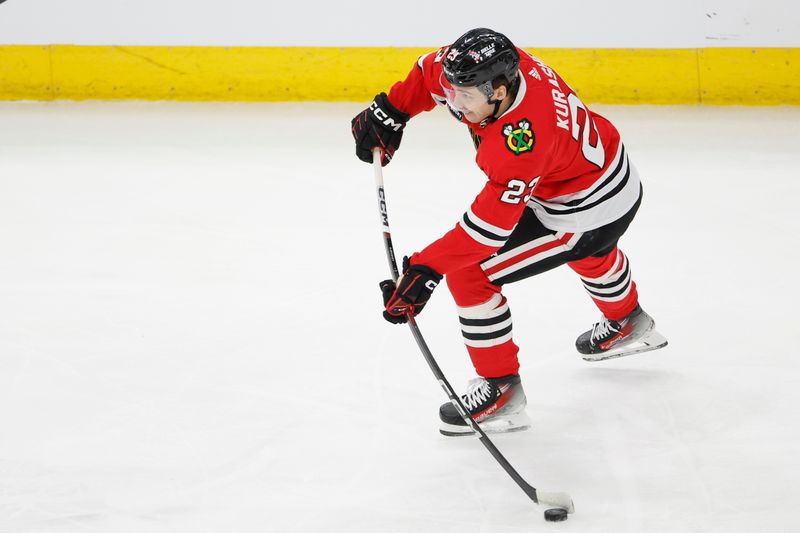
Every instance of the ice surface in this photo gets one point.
(190, 336)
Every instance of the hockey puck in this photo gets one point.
(555, 515)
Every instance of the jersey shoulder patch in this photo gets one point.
(518, 136)
(511, 148)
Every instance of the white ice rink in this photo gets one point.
(191, 340)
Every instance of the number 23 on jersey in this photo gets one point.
(516, 188)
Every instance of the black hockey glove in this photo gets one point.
(416, 285)
(380, 125)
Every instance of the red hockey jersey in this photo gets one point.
(547, 152)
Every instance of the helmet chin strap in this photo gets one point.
(488, 91)
(496, 108)
(493, 116)
(512, 93)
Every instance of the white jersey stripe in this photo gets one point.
(494, 243)
(478, 221)
(422, 58)
(555, 215)
(588, 191)
(594, 190)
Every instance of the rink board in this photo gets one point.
(740, 76)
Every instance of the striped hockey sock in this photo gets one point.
(608, 282)
(487, 332)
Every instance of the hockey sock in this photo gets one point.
(608, 281)
(487, 332)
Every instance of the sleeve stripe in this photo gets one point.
(478, 235)
(482, 231)
(478, 221)
(422, 58)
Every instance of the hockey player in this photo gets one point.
(560, 190)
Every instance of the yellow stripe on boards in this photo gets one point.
(25, 73)
(217, 73)
(745, 76)
(627, 76)
(757, 76)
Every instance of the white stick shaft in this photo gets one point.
(378, 171)
(551, 499)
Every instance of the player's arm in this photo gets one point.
(381, 124)
(513, 166)
(415, 94)
(483, 229)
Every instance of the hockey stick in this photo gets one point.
(552, 499)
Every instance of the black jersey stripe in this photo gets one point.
(622, 159)
(590, 205)
(486, 233)
(595, 188)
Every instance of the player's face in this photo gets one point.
(472, 102)
(469, 101)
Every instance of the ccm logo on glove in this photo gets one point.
(378, 126)
(385, 119)
(411, 294)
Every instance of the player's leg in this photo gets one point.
(496, 398)
(624, 328)
(530, 250)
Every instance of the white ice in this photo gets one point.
(190, 335)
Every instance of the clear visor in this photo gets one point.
(462, 99)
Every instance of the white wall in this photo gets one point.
(580, 24)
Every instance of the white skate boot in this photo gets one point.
(496, 404)
(635, 333)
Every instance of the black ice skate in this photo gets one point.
(635, 333)
(496, 404)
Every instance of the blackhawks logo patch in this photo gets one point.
(519, 138)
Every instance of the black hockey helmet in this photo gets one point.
(479, 56)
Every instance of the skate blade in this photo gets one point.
(504, 424)
(653, 340)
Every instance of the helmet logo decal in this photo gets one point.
(487, 51)
(453, 53)
(519, 139)
(484, 53)
(478, 56)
